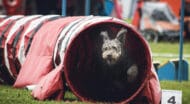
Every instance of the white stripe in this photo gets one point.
(10, 18)
(77, 28)
(169, 55)
(97, 19)
(70, 28)
(14, 28)
(3, 16)
(31, 87)
(68, 37)
(36, 22)
(63, 32)
(32, 25)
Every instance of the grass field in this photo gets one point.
(169, 48)
(9, 95)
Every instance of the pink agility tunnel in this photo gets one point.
(63, 50)
(16, 33)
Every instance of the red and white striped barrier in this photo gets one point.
(42, 50)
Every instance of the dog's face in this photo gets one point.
(113, 49)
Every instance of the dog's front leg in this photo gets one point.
(132, 73)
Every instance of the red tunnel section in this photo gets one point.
(83, 70)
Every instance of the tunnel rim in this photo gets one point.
(117, 22)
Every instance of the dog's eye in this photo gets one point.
(113, 47)
(106, 48)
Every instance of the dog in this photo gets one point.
(114, 55)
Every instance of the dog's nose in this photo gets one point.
(109, 56)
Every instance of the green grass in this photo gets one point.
(174, 85)
(9, 95)
(169, 47)
(172, 48)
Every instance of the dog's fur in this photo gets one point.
(113, 49)
(114, 57)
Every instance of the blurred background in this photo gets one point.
(157, 20)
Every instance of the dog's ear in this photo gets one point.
(121, 35)
(104, 35)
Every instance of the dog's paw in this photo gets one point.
(132, 73)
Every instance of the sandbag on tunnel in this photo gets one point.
(73, 45)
